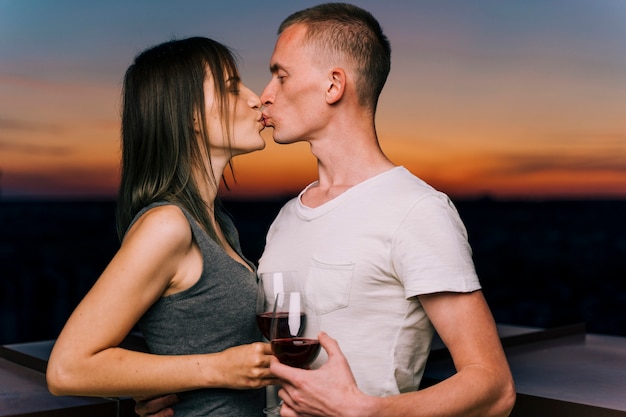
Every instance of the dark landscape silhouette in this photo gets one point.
(541, 263)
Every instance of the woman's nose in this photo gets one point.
(254, 101)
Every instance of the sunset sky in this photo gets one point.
(510, 98)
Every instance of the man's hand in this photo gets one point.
(326, 391)
(155, 406)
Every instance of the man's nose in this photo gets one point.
(266, 96)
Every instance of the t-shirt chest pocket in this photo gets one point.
(330, 284)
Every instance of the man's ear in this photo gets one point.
(337, 86)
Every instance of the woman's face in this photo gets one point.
(245, 118)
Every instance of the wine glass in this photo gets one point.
(269, 285)
(294, 332)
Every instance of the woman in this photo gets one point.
(179, 271)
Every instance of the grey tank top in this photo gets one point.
(216, 313)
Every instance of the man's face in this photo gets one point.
(294, 97)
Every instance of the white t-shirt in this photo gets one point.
(364, 256)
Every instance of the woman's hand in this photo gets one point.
(245, 367)
(238, 367)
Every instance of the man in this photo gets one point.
(385, 255)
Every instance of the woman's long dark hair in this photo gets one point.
(161, 157)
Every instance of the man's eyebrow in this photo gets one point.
(274, 68)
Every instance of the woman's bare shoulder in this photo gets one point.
(165, 223)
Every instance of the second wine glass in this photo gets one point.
(269, 285)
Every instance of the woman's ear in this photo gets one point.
(196, 123)
(337, 85)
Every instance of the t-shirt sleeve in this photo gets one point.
(430, 250)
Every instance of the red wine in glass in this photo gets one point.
(264, 321)
(294, 330)
(298, 352)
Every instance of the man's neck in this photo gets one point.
(334, 180)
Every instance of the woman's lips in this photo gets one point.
(265, 120)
